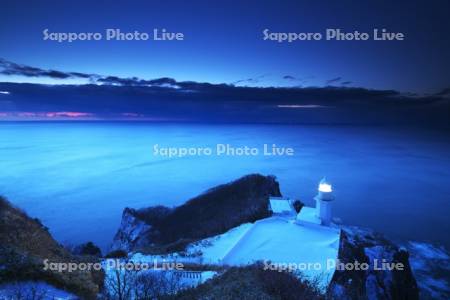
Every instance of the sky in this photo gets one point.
(223, 41)
(223, 44)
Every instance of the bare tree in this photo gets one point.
(125, 284)
(154, 284)
(119, 284)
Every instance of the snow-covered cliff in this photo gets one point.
(214, 214)
(211, 213)
(132, 232)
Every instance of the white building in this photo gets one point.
(281, 206)
(283, 238)
(321, 214)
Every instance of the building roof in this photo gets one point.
(280, 205)
(308, 215)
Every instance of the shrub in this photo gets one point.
(89, 249)
(298, 205)
(253, 282)
(117, 254)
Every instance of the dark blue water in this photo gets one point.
(78, 177)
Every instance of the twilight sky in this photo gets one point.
(223, 41)
(223, 45)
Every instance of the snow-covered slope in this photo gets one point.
(278, 241)
(213, 250)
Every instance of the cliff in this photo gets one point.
(160, 229)
(367, 246)
(361, 245)
(24, 245)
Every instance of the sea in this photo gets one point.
(77, 177)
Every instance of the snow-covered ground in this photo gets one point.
(213, 250)
(278, 240)
(282, 241)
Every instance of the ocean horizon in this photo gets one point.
(77, 177)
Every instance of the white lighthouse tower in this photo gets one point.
(323, 202)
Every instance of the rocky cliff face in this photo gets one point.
(245, 200)
(24, 245)
(431, 268)
(366, 246)
(132, 233)
(214, 212)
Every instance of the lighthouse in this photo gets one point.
(324, 198)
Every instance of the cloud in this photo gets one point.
(336, 80)
(301, 80)
(69, 114)
(206, 102)
(289, 77)
(11, 68)
(444, 92)
(251, 80)
(168, 99)
(119, 81)
(248, 80)
(134, 81)
(59, 115)
(4, 92)
(333, 80)
(300, 106)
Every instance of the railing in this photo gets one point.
(190, 274)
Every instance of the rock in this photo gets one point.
(132, 233)
(87, 249)
(214, 212)
(162, 230)
(298, 205)
(431, 268)
(367, 246)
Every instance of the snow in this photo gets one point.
(282, 241)
(200, 277)
(277, 240)
(214, 249)
(140, 258)
(280, 205)
(308, 215)
(207, 275)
